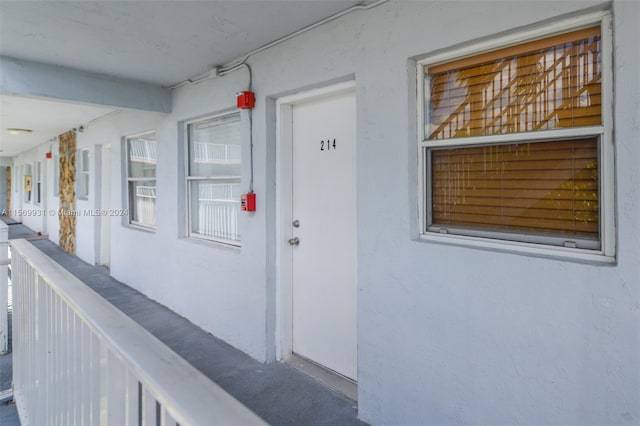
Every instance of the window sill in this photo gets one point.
(592, 257)
(136, 227)
(211, 243)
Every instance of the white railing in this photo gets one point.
(218, 209)
(4, 290)
(146, 205)
(143, 151)
(206, 152)
(79, 360)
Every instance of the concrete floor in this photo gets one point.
(8, 412)
(277, 392)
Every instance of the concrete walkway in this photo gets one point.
(278, 393)
(8, 412)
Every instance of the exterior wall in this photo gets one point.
(36, 217)
(447, 334)
(53, 200)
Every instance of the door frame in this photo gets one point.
(284, 209)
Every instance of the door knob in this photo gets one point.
(294, 241)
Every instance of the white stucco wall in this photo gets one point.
(53, 200)
(35, 215)
(447, 334)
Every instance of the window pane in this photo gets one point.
(84, 160)
(142, 203)
(142, 156)
(38, 182)
(546, 187)
(214, 208)
(556, 86)
(214, 147)
(28, 182)
(84, 185)
(56, 175)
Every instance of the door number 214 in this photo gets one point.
(327, 145)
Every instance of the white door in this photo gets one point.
(324, 212)
(3, 188)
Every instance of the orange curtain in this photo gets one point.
(545, 84)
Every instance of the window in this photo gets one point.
(83, 174)
(38, 182)
(28, 182)
(213, 178)
(515, 146)
(56, 175)
(141, 179)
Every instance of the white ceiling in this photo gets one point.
(163, 42)
(47, 119)
(160, 42)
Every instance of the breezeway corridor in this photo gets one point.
(277, 392)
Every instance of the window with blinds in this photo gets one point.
(526, 187)
(142, 160)
(542, 85)
(546, 187)
(213, 179)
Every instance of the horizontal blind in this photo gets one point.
(546, 84)
(543, 187)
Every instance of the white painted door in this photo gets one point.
(3, 188)
(324, 204)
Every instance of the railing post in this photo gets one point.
(4, 283)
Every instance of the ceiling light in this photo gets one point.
(15, 131)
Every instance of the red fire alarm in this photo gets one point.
(246, 100)
(48, 155)
(248, 202)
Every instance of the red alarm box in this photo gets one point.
(246, 100)
(248, 202)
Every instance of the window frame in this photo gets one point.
(28, 195)
(37, 183)
(80, 173)
(56, 175)
(188, 179)
(524, 242)
(128, 180)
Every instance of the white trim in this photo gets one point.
(607, 155)
(321, 92)
(508, 40)
(540, 135)
(422, 98)
(284, 206)
(190, 235)
(606, 253)
(56, 175)
(80, 163)
(555, 252)
(128, 179)
(37, 199)
(137, 135)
